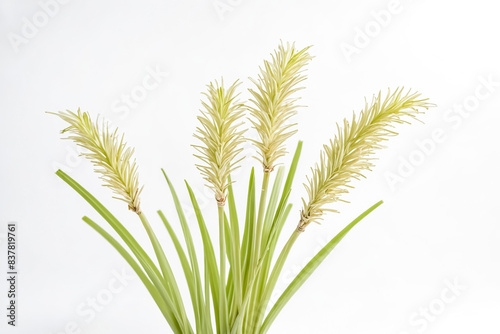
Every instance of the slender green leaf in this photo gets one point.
(224, 321)
(272, 203)
(236, 249)
(267, 260)
(246, 248)
(293, 168)
(208, 318)
(112, 221)
(230, 276)
(189, 243)
(167, 272)
(141, 255)
(208, 250)
(186, 267)
(162, 305)
(306, 272)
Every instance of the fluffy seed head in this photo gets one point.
(220, 136)
(108, 152)
(349, 153)
(273, 102)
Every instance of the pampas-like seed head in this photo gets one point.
(109, 154)
(274, 104)
(349, 153)
(220, 136)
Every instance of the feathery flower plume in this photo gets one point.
(220, 136)
(109, 154)
(274, 103)
(349, 153)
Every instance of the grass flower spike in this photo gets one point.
(220, 136)
(109, 154)
(273, 101)
(349, 153)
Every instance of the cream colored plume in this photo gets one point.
(273, 102)
(350, 152)
(220, 136)
(108, 152)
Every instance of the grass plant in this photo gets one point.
(230, 286)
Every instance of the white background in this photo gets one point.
(439, 222)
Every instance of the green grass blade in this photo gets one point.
(276, 224)
(257, 247)
(224, 321)
(309, 269)
(112, 221)
(162, 305)
(267, 260)
(236, 249)
(178, 247)
(272, 203)
(285, 193)
(259, 226)
(237, 326)
(246, 248)
(230, 296)
(279, 221)
(208, 318)
(189, 244)
(275, 230)
(227, 238)
(170, 280)
(293, 168)
(208, 250)
(148, 265)
(186, 267)
(230, 276)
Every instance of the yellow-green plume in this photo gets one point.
(274, 102)
(349, 153)
(220, 136)
(109, 154)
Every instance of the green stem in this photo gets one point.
(273, 278)
(224, 323)
(260, 217)
(257, 245)
(235, 245)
